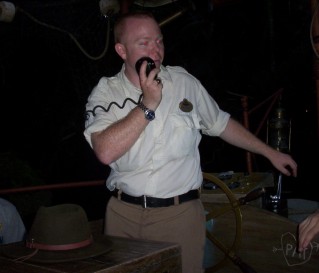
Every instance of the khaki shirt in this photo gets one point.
(165, 160)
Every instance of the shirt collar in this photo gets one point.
(126, 82)
(163, 75)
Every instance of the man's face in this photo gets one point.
(142, 37)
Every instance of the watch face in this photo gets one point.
(149, 114)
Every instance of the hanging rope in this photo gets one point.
(72, 36)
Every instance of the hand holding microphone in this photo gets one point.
(151, 85)
(149, 67)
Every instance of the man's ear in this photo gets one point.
(120, 50)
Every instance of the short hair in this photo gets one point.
(119, 24)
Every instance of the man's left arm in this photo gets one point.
(239, 136)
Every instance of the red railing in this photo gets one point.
(54, 186)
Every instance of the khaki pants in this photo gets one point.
(183, 224)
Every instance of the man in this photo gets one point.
(12, 228)
(147, 129)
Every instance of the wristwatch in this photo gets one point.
(149, 114)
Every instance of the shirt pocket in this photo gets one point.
(183, 135)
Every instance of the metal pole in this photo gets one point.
(244, 102)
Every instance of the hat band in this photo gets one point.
(32, 244)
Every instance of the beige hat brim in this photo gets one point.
(100, 245)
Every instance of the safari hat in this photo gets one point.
(59, 233)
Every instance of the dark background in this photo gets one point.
(54, 52)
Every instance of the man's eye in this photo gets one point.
(144, 43)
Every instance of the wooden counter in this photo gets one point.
(268, 243)
(127, 255)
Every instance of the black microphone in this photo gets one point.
(150, 65)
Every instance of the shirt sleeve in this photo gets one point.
(213, 119)
(12, 228)
(99, 114)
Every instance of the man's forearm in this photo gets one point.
(114, 141)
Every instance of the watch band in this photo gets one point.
(142, 106)
(149, 114)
